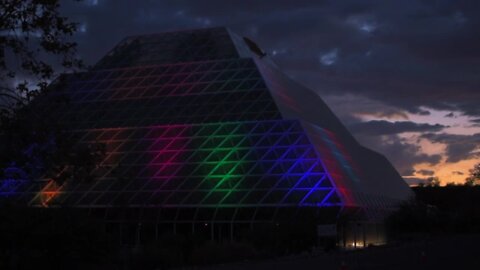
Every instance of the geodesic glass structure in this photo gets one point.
(196, 128)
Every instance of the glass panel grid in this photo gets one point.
(207, 165)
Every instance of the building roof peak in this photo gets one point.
(190, 45)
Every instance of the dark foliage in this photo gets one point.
(51, 239)
(414, 216)
(449, 209)
(34, 42)
(474, 177)
(34, 48)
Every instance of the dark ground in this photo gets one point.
(456, 252)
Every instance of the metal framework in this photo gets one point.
(193, 134)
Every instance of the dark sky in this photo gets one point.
(404, 76)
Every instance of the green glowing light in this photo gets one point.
(228, 155)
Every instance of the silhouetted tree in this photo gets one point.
(35, 47)
(34, 42)
(433, 181)
(474, 177)
(451, 184)
(52, 239)
(414, 216)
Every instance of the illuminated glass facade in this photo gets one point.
(196, 129)
(199, 92)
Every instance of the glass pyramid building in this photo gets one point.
(198, 127)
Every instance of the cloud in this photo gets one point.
(329, 58)
(476, 122)
(414, 180)
(91, 2)
(423, 112)
(459, 147)
(382, 127)
(360, 107)
(363, 22)
(426, 172)
(403, 154)
(82, 28)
